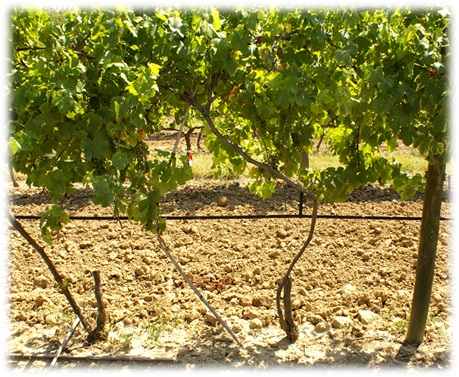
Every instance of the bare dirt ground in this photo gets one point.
(351, 291)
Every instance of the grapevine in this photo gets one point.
(89, 86)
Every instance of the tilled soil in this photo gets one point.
(351, 292)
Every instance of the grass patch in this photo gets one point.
(202, 168)
(399, 327)
(412, 163)
(154, 329)
(320, 160)
(121, 340)
(411, 160)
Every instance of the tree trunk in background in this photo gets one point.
(427, 251)
(304, 160)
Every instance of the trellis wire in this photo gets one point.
(246, 217)
(128, 358)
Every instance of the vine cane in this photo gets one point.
(285, 317)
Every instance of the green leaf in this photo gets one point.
(51, 222)
(315, 109)
(161, 17)
(121, 160)
(439, 67)
(57, 182)
(216, 20)
(291, 84)
(231, 66)
(274, 80)
(154, 68)
(117, 107)
(263, 188)
(407, 135)
(376, 76)
(325, 98)
(97, 146)
(103, 190)
(14, 146)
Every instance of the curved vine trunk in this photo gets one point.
(285, 313)
(93, 331)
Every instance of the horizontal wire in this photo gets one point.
(244, 217)
(129, 358)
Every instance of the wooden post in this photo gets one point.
(427, 251)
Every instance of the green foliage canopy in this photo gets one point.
(88, 86)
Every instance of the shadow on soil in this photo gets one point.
(341, 353)
(213, 349)
(190, 200)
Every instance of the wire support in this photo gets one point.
(124, 358)
(245, 217)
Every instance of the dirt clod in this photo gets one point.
(223, 201)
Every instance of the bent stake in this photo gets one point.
(166, 250)
(64, 343)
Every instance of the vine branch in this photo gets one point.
(101, 316)
(57, 276)
(42, 48)
(92, 331)
(285, 317)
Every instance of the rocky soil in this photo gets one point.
(351, 289)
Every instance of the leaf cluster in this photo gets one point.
(88, 86)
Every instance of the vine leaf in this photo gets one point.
(51, 221)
